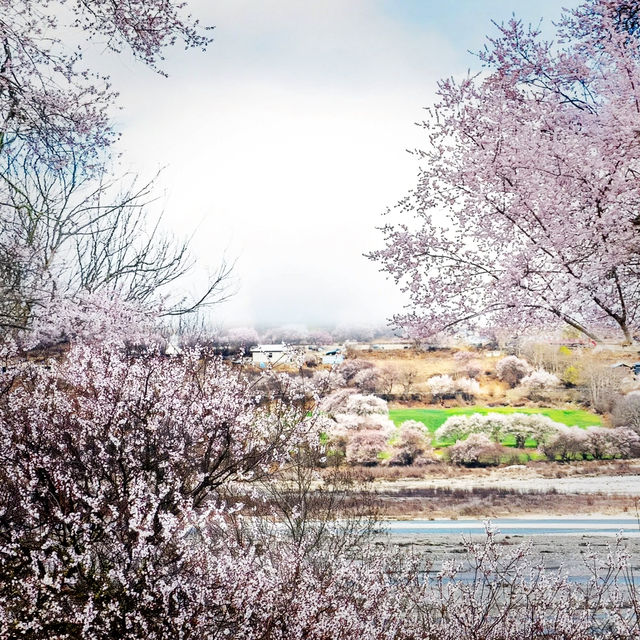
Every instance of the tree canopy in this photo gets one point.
(526, 207)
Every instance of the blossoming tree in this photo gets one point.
(526, 208)
(66, 224)
(117, 485)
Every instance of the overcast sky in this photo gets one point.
(285, 141)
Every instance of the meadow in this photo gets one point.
(433, 418)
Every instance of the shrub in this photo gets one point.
(114, 476)
(311, 360)
(477, 450)
(453, 428)
(441, 386)
(335, 443)
(570, 376)
(512, 369)
(363, 447)
(626, 412)
(367, 422)
(467, 387)
(365, 405)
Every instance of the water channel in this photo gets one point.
(591, 526)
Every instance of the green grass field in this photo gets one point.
(433, 418)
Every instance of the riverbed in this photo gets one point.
(559, 544)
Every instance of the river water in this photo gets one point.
(570, 526)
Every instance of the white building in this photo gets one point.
(270, 353)
(392, 346)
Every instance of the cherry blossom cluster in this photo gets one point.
(498, 426)
(49, 101)
(116, 485)
(443, 386)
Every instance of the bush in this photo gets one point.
(363, 447)
(454, 428)
(468, 387)
(365, 405)
(311, 360)
(476, 451)
(540, 379)
(512, 370)
(570, 376)
(626, 411)
(366, 422)
(114, 476)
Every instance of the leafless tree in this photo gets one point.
(408, 379)
(388, 376)
(602, 385)
(63, 231)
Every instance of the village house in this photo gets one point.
(270, 353)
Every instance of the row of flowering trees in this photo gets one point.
(477, 438)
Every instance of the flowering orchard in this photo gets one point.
(535, 161)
